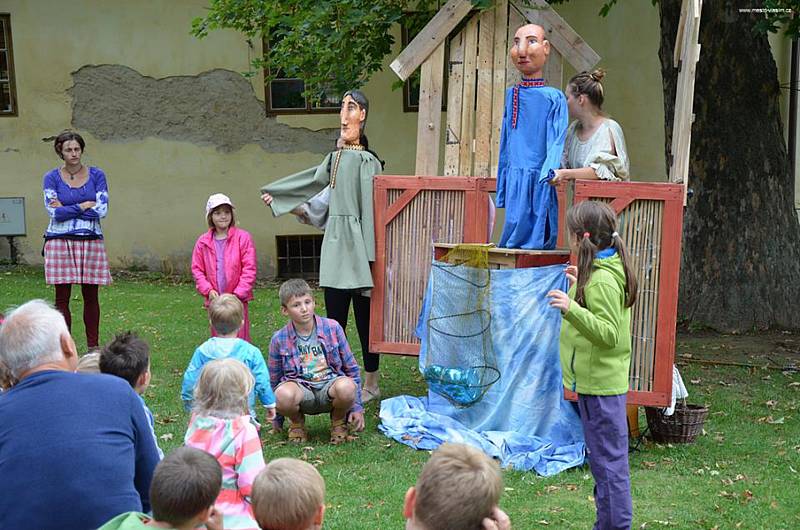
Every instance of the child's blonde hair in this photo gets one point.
(457, 488)
(287, 494)
(223, 389)
(89, 363)
(594, 225)
(226, 312)
(291, 288)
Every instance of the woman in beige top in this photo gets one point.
(595, 146)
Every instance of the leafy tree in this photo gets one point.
(333, 45)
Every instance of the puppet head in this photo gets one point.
(353, 116)
(529, 50)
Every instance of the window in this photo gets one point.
(298, 256)
(284, 95)
(8, 94)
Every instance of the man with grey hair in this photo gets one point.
(75, 449)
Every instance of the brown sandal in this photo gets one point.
(297, 433)
(340, 433)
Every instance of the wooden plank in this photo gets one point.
(684, 98)
(499, 79)
(455, 89)
(483, 105)
(431, 37)
(376, 310)
(399, 204)
(515, 21)
(554, 69)
(560, 34)
(404, 182)
(678, 51)
(466, 147)
(429, 119)
(669, 278)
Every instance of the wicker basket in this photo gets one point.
(682, 427)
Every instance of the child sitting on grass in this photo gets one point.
(225, 314)
(182, 493)
(458, 489)
(221, 426)
(289, 494)
(128, 357)
(312, 369)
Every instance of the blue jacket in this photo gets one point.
(223, 348)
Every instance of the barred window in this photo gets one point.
(298, 256)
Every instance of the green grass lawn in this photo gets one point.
(743, 473)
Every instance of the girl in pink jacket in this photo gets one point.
(224, 259)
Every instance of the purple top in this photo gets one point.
(69, 220)
(222, 282)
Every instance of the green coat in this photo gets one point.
(348, 246)
(596, 339)
(127, 521)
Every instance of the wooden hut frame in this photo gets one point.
(412, 213)
(685, 57)
(479, 71)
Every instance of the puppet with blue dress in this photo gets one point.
(531, 145)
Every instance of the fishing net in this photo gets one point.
(460, 364)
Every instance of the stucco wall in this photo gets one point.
(180, 124)
(161, 167)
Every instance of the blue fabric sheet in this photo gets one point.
(523, 420)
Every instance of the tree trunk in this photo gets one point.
(740, 265)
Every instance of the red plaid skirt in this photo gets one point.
(76, 261)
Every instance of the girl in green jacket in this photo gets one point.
(596, 351)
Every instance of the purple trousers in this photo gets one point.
(605, 428)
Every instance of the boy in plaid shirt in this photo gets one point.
(311, 368)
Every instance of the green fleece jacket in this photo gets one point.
(596, 339)
(127, 521)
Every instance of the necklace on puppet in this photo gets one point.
(338, 157)
(538, 82)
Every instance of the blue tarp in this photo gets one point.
(523, 420)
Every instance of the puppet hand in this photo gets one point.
(559, 300)
(499, 520)
(356, 421)
(572, 274)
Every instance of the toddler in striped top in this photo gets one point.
(220, 425)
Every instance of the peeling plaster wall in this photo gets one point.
(117, 104)
(169, 119)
